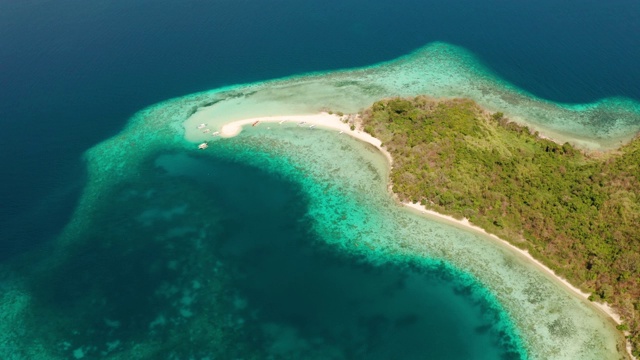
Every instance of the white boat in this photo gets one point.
(312, 126)
(202, 126)
(216, 133)
(203, 146)
(206, 130)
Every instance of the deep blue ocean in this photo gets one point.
(72, 72)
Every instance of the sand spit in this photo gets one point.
(321, 120)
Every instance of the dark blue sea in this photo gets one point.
(72, 72)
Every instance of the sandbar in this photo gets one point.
(321, 120)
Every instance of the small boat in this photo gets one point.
(202, 126)
(312, 126)
(301, 123)
(256, 123)
(215, 133)
(203, 146)
(282, 122)
(341, 132)
(206, 130)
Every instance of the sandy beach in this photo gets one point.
(321, 120)
(339, 123)
(464, 223)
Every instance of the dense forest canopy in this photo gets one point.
(577, 211)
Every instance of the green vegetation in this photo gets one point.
(577, 212)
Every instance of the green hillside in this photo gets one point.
(577, 212)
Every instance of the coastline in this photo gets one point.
(604, 308)
(464, 223)
(321, 120)
(342, 124)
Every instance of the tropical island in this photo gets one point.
(453, 147)
(575, 210)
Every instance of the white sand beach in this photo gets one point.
(321, 120)
(464, 223)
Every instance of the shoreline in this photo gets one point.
(321, 120)
(338, 123)
(464, 223)
(603, 308)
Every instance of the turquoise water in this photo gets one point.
(221, 257)
(285, 243)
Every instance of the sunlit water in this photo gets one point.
(284, 241)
